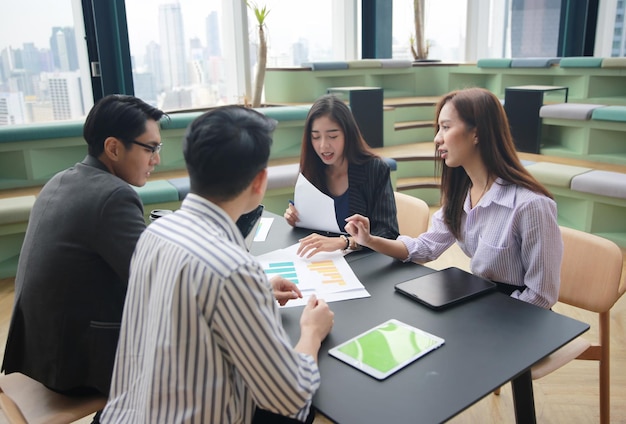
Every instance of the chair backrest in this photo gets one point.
(591, 271)
(24, 400)
(413, 214)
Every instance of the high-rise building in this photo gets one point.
(153, 65)
(173, 48)
(65, 93)
(196, 62)
(144, 87)
(300, 51)
(618, 48)
(12, 109)
(213, 35)
(63, 45)
(535, 28)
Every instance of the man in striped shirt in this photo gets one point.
(201, 338)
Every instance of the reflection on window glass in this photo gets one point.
(40, 76)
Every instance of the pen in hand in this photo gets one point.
(291, 214)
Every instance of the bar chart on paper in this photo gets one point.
(328, 271)
(327, 275)
(320, 276)
(284, 269)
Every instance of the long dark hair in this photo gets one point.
(480, 109)
(355, 149)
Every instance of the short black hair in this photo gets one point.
(120, 116)
(225, 148)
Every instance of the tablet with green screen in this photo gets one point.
(386, 348)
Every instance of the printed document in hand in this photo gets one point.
(327, 274)
(315, 209)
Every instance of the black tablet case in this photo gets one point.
(445, 288)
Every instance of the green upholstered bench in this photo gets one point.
(157, 191)
(589, 200)
(364, 63)
(16, 209)
(555, 174)
(581, 111)
(494, 63)
(286, 113)
(14, 214)
(600, 204)
(610, 113)
(38, 131)
(580, 62)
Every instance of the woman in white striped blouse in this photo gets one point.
(500, 216)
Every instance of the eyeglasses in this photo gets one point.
(154, 149)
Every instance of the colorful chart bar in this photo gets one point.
(284, 269)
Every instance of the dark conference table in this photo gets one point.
(489, 341)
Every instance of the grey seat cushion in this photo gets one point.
(534, 62)
(604, 183)
(182, 186)
(282, 176)
(568, 110)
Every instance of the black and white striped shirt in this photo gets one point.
(201, 338)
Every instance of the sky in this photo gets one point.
(44, 14)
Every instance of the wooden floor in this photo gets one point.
(569, 395)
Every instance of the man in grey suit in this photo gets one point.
(73, 267)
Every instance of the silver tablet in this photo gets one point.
(386, 348)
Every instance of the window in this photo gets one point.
(444, 29)
(180, 59)
(43, 67)
(191, 56)
(292, 41)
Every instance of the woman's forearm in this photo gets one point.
(393, 248)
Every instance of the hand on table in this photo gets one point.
(284, 290)
(315, 243)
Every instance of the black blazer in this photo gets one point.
(72, 278)
(371, 195)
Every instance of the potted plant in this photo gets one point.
(261, 15)
(420, 46)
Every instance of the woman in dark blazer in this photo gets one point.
(336, 159)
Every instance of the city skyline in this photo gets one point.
(140, 12)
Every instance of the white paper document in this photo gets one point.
(315, 209)
(263, 228)
(327, 274)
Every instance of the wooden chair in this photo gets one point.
(591, 273)
(26, 401)
(413, 214)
